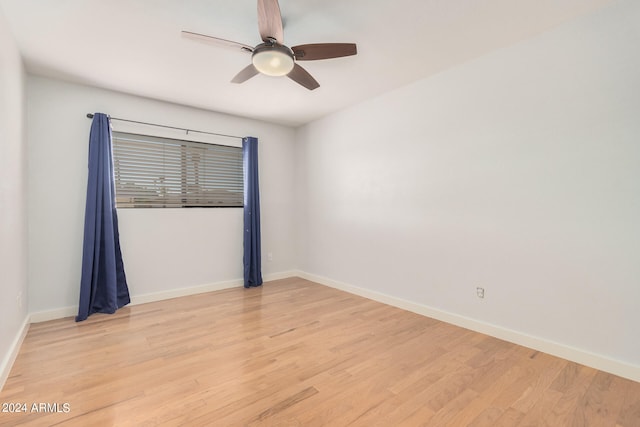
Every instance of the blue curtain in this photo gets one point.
(103, 286)
(251, 259)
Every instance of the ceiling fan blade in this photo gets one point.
(246, 73)
(270, 21)
(217, 41)
(312, 52)
(302, 77)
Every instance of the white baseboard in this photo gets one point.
(10, 357)
(183, 292)
(577, 355)
(279, 276)
(56, 313)
(60, 313)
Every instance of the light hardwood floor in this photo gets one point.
(295, 353)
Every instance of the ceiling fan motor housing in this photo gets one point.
(273, 59)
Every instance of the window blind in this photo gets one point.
(154, 172)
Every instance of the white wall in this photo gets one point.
(13, 201)
(163, 249)
(518, 172)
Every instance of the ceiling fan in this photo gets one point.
(272, 57)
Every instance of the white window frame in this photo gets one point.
(158, 172)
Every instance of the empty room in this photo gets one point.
(320, 213)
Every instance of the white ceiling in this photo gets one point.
(135, 46)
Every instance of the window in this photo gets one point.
(154, 172)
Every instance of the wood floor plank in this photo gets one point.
(601, 403)
(487, 418)
(572, 382)
(630, 409)
(295, 353)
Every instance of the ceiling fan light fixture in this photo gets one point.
(273, 60)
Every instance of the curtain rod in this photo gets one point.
(90, 116)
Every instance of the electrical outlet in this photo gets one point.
(19, 299)
(480, 292)
(270, 256)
